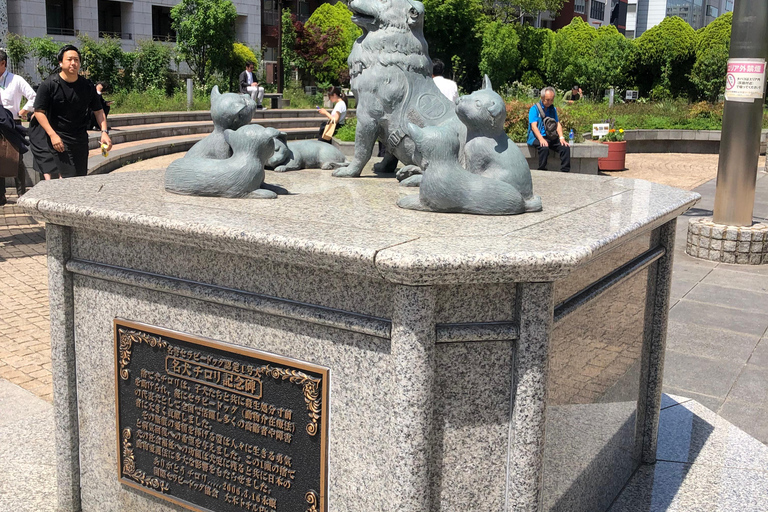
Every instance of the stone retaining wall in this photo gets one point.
(678, 141)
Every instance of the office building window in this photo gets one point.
(303, 14)
(111, 20)
(161, 24)
(580, 6)
(597, 11)
(712, 11)
(271, 14)
(270, 53)
(59, 17)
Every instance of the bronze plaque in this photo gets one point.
(217, 427)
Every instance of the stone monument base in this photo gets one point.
(472, 363)
(727, 244)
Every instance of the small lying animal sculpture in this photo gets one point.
(304, 154)
(447, 187)
(229, 111)
(240, 175)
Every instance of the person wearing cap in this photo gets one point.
(12, 89)
(574, 94)
(58, 134)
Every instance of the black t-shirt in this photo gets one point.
(68, 106)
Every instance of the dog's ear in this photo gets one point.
(215, 94)
(487, 83)
(416, 12)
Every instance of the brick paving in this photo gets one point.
(25, 341)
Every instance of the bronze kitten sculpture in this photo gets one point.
(447, 187)
(240, 175)
(229, 111)
(488, 151)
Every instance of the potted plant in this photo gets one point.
(617, 151)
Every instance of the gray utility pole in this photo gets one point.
(743, 115)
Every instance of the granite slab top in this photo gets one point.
(355, 226)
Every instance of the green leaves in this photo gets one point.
(203, 28)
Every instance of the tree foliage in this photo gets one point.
(100, 59)
(500, 57)
(663, 58)
(45, 50)
(203, 28)
(509, 10)
(712, 46)
(151, 65)
(567, 55)
(328, 19)
(315, 48)
(18, 51)
(454, 29)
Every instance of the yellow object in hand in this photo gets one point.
(104, 151)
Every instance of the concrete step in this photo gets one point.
(129, 152)
(160, 130)
(118, 120)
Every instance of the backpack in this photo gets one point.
(550, 124)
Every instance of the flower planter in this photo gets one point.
(617, 154)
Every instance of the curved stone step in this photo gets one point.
(153, 131)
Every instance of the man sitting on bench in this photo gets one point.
(249, 85)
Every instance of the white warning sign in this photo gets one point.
(745, 80)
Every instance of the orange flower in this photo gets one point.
(611, 130)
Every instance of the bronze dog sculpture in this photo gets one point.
(391, 77)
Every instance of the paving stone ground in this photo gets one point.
(25, 346)
(717, 347)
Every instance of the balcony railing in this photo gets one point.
(170, 38)
(59, 31)
(118, 35)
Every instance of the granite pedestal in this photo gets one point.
(476, 363)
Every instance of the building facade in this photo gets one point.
(597, 13)
(697, 13)
(633, 17)
(128, 20)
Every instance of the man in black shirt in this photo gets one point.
(58, 134)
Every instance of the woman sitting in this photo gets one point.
(336, 116)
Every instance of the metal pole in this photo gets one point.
(742, 116)
(190, 94)
(611, 95)
(280, 47)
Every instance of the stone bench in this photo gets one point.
(276, 100)
(678, 141)
(583, 155)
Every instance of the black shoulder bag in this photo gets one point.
(550, 124)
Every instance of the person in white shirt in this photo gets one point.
(448, 87)
(12, 89)
(249, 85)
(338, 113)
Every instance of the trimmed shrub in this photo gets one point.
(499, 57)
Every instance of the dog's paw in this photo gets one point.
(261, 193)
(281, 168)
(413, 181)
(408, 171)
(347, 172)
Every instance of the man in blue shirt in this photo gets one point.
(538, 136)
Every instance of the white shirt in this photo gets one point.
(341, 108)
(12, 88)
(250, 77)
(448, 87)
